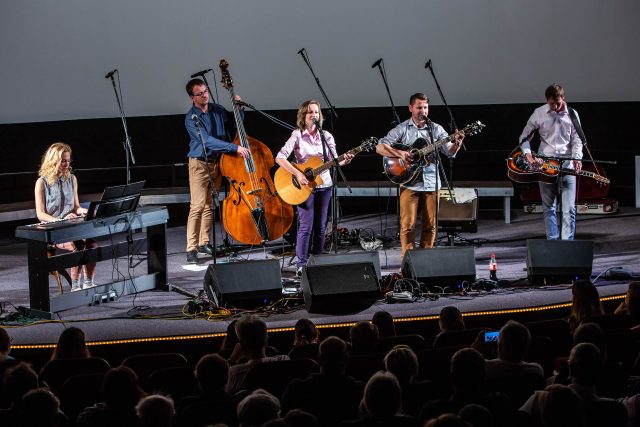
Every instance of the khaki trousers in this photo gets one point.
(200, 218)
(410, 203)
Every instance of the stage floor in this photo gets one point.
(162, 314)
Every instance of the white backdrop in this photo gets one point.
(54, 54)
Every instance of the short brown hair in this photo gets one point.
(554, 91)
(419, 95)
(193, 83)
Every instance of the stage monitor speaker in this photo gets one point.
(348, 258)
(244, 284)
(339, 288)
(558, 261)
(461, 216)
(441, 266)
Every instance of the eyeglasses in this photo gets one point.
(201, 93)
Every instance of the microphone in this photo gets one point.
(377, 63)
(111, 73)
(200, 73)
(316, 122)
(300, 51)
(195, 119)
(428, 64)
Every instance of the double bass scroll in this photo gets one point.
(252, 213)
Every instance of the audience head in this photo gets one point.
(476, 415)
(402, 362)
(467, 370)
(450, 319)
(333, 356)
(120, 388)
(40, 408)
(5, 344)
(258, 408)
(212, 373)
(446, 420)
(252, 334)
(300, 418)
(513, 341)
(364, 338)
(585, 364)
(18, 380)
(592, 333)
(305, 332)
(585, 301)
(562, 407)
(155, 411)
(382, 396)
(231, 338)
(384, 322)
(71, 345)
(633, 300)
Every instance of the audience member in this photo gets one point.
(556, 405)
(402, 362)
(230, 339)
(509, 372)
(252, 336)
(585, 303)
(40, 408)
(364, 338)
(121, 394)
(330, 395)
(17, 381)
(257, 408)
(155, 411)
(300, 418)
(382, 403)
(447, 420)
(450, 319)
(467, 380)
(213, 403)
(6, 360)
(631, 303)
(384, 322)
(305, 332)
(476, 415)
(71, 345)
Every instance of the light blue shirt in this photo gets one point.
(406, 134)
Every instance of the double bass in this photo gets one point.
(252, 213)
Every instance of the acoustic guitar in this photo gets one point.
(400, 172)
(520, 170)
(294, 193)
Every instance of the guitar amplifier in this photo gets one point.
(460, 216)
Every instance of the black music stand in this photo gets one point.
(116, 200)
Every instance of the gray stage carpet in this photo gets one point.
(160, 314)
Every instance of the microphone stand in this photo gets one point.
(215, 198)
(128, 150)
(334, 114)
(452, 121)
(334, 190)
(380, 64)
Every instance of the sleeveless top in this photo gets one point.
(59, 197)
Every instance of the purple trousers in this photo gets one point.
(312, 222)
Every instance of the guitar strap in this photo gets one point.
(576, 124)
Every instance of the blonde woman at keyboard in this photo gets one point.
(56, 196)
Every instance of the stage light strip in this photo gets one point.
(320, 326)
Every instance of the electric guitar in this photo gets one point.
(520, 170)
(294, 193)
(401, 172)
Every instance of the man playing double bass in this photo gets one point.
(211, 120)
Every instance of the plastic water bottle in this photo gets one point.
(493, 268)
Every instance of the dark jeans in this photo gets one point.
(312, 221)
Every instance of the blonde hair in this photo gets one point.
(303, 110)
(50, 163)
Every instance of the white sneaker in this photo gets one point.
(75, 285)
(299, 272)
(88, 283)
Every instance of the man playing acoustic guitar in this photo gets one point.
(422, 191)
(558, 139)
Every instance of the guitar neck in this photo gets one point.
(588, 174)
(325, 166)
(439, 143)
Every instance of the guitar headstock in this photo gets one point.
(369, 144)
(601, 179)
(227, 82)
(473, 128)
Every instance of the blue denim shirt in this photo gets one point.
(213, 132)
(406, 134)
